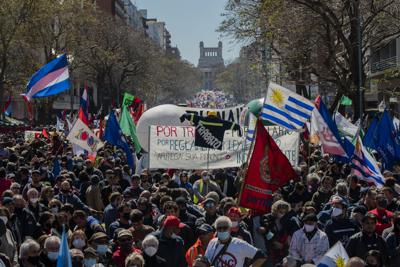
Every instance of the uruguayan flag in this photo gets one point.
(336, 256)
(251, 128)
(364, 165)
(286, 108)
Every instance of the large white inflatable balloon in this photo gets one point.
(160, 115)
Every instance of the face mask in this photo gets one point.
(336, 212)
(4, 219)
(33, 260)
(309, 228)
(102, 249)
(52, 256)
(89, 262)
(235, 224)
(126, 216)
(223, 235)
(34, 200)
(54, 209)
(78, 243)
(150, 251)
(65, 191)
(205, 177)
(382, 203)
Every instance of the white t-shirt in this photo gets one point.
(237, 251)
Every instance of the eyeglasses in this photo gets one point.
(209, 205)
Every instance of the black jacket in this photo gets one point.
(359, 244)
(155, 261)
(171, 249)
(340, 230)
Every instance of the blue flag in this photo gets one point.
(113, 134)
(370, 137)
(64, 256)
(386, 143)
(56, 167)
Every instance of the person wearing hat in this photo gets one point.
(210, 215)
(237, 229)
(124, 247)
(340, 227)
(367, 239)
(205, 233)
(168, 238)
(90, 257)
(309, 244)
(99, 242)
(204, 186)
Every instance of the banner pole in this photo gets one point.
(208, 159)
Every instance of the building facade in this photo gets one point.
(210, 63)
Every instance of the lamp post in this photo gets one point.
(359, 57)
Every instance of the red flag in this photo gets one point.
(268, 170)
(45, 134)
(100, 133)
(138, 113)
(82, 116)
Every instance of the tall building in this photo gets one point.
(210, 63)
(113, 7)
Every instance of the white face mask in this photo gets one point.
(4, 219)
(79, 243)
(235, 224)
(34, 200)
(309, 228)
(205, 177)
(54, 210)
(336, 212)
(52, 256)
(150, 251)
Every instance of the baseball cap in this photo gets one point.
(310, 218)
(234, 211)
(205, 229)
(7, 200)
(172, 221)
(124, 232)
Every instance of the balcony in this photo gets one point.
(384, 64)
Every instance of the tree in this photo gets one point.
(317, 36)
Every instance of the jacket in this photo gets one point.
(340, 230)
(359, 244)
(93, 198)
(73, 200)
(171, 249)
(308, 251)
(194, 251)
(393, 242)
(383, 220)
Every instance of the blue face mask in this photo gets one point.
(89, 262)
(223, 235)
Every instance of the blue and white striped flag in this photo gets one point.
(251, 128)
(286, 108)
(364, 165)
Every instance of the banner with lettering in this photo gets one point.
(173, 147)
(232, 114)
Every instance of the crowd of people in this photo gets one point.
(211, 99)
(114, 216)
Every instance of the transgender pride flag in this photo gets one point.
(51, 79)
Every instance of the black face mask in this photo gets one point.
(34, 260)
(18, 210)
(382, 203)
(64, 191)
(126, 216)
(126, 246)
(77, 263)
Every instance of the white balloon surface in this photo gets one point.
(167, 115)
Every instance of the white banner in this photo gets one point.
(228, 114)
(173, 147)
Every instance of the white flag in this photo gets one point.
(336, 256)
(345, 126)
(82, 136)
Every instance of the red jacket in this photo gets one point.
(383, 220)
(119, 258)
(4, 185)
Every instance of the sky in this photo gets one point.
(189, 22)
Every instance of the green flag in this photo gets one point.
(345, 101)
(128, 99)
(128, 127)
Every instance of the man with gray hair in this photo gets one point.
(29, 254)
(225, 250)
(150, 248)
(50, 253)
